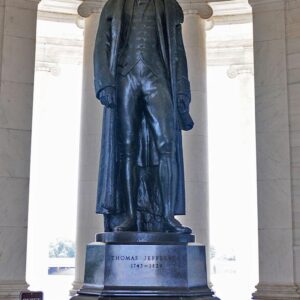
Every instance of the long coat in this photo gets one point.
(105, 62)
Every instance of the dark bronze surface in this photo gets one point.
(141, 78)
(144, 238)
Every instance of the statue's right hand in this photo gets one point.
(108, 97)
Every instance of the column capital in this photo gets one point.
(266, 5)
(239, 69)
(203, 9)
(89, 7)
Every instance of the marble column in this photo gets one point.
(244, 194)
(17, 55)
(195, 141)
(292, 11)
(277, 150)
(88, 223)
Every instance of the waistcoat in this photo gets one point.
(140, 40)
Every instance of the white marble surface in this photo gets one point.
(13, 241)
(293, 45)
(295, 138)
(14, 153)
(201, 7)
(273, 155)
(276, 291)
(16, 105)
(195, 141)
(276, 256)
(198, 111)
(88, 189)
(195, 158)
(276, 194)
(295, 153)
(89, 162)
(268, 29)
(88, 223)
(14, 67)
(270, 63)
(294, 90)
(293, 63)
(17, 48)
(27, 4)
(20, 22)
(265, 6)
(197, 213)
(10, 289)
(293, 9)
(292, 30)
(294, 60)
(294, 76)
(197, 67)
(292, 4)
(87, 205)
(296, 192)
(270, 110)
(297, 256)
(13, 202)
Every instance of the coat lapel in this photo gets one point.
(116, 31)
(129, 4)
(170, 13)
(159, 8)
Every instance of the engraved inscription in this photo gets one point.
(147, 261)
(123, 257)
(146, 266)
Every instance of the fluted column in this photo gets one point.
(17, 54)
(277, 102)
(88, 223)
(245, 192)
(195, 141)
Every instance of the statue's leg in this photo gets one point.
(128, 113)
(159, 111)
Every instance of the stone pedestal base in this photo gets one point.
(10, 290)
(82, 297)
(152, 265)
(276, 292)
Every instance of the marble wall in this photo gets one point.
(17, 49)
(292, 17)
(277, 57)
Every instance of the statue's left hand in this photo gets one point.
(183, 103)
(185, 119)
(108, 97)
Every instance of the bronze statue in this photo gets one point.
(141, 77)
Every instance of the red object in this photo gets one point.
(31, 296)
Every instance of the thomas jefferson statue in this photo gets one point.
(141, 78)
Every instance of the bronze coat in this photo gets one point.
(105, 63)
